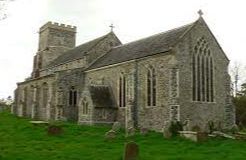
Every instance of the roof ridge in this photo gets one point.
(148, 46)
(99, 39)
(164, 32)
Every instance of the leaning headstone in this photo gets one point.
(234, 129)
(110, 135)
(166, 130)
(131, 151)
(144, 131)
(54, 130)
(187, 125)
(116, 126)
(130, 132)
(167, 133)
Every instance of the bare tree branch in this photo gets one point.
(3, 8)
(238, 76)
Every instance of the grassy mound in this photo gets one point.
(21, 140)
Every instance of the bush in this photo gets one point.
(240, 104)
(175, 127)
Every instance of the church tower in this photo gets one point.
(54, 40)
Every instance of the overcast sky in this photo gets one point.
(133, 19)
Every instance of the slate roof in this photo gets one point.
(77, 52)
(141, 48)
(101, 97)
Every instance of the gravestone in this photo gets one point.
(54, 130)
(116, 126)
(144, 131)
(187, 125)
(196, 128)
(167, 133)
(131, 151)
(110, 135)
(202, 136)
(240, 136)
(166, 130)
(130, 131)
(234, 129)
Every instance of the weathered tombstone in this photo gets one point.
(144, 131)
(210, 127)
(191, 135)
(202, 136)
(131, 151)
(116, 126)
(196, 128)
(234, 129)
(166, 130)
(130, 131)
(54, 130)
(219, 125)
(110, 135)
(221, 134)
(240, 136)
(167, 133)
(186, 125)
(39, 123)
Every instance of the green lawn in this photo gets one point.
(21, 140)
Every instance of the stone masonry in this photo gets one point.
(142, 84)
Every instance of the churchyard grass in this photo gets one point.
(20, 139)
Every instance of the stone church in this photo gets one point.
(180, 74)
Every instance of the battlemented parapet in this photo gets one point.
(56, 25)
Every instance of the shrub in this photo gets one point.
(175, 127)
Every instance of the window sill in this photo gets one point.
(203, 102)
(151, 106)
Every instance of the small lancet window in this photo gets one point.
(85, 106)
(72, 96)
(151, 87)
(122, 91)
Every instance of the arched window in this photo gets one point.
(44, 95)
(25, 97)
(202, 72)
(72, 96)
(151, 87)
(84, 106)
(122, 90)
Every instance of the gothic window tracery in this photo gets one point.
(151, 87)
(202, 72)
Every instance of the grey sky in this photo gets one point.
(133, 19)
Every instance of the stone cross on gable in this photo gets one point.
(200, 12)
(112, 27)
